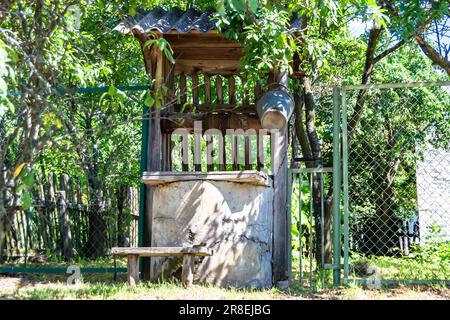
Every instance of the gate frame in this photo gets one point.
(340, 104)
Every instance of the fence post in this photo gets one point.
(345, 184)
(142, 189)
(64, 226)
(336, 188)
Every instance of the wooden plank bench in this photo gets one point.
(188, 254)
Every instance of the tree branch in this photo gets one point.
(434, 56)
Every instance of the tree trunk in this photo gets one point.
(6, 218)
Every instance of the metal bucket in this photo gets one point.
(274, 109)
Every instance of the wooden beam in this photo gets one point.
(224, 67)
(200, 41)
(250, 176)
(174, 120)
(219, 108)
(161, 251)
(208, 53)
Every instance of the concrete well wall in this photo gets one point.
(235, 220)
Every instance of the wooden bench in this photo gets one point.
(188, 254)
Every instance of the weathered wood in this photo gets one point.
(235, 152)
(231, 90)
(195, 88)
(223, 67)
(191, 40)
(207, 80)
(133, 269)
(187, 274)
(222, 152)
(197, 149)
(173, 121)
(155, 69)
(259, 152)
(279, 147)
(64, 225)
(214, 107)
(161, 251)
(209, 152)
(247, 150)
(166, 152)
(208, 53)
(185, 153)
(246, 176)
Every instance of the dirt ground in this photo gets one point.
(56, 287)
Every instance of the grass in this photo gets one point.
(102, 286)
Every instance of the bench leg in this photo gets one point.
(187, 274)
(133, 269)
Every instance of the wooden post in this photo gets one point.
(64, 225)
(133, 269)
(187, 274)
(231, 90)
(195, 89)
(207, 80)
(155, 65)
(279, 146)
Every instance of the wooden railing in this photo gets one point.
(217, 102)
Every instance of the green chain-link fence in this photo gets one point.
(396, 182)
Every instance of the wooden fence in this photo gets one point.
(58, 224)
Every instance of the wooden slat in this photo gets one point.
(231, 90)
(250, 177)
(197, 151)
(247, 151)
(235, 152)
(195, 88)
(185, 153)
(223, 154)
(219, 89)
(166, 152)
(224, 67)
(161, 251)
(259, 152)
(207, 80)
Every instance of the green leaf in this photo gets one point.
(26, 200)
(112, 90)
(237, 5)
(253, 5)
(29, 179)
(149, 100)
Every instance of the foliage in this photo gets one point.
(262, 30)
